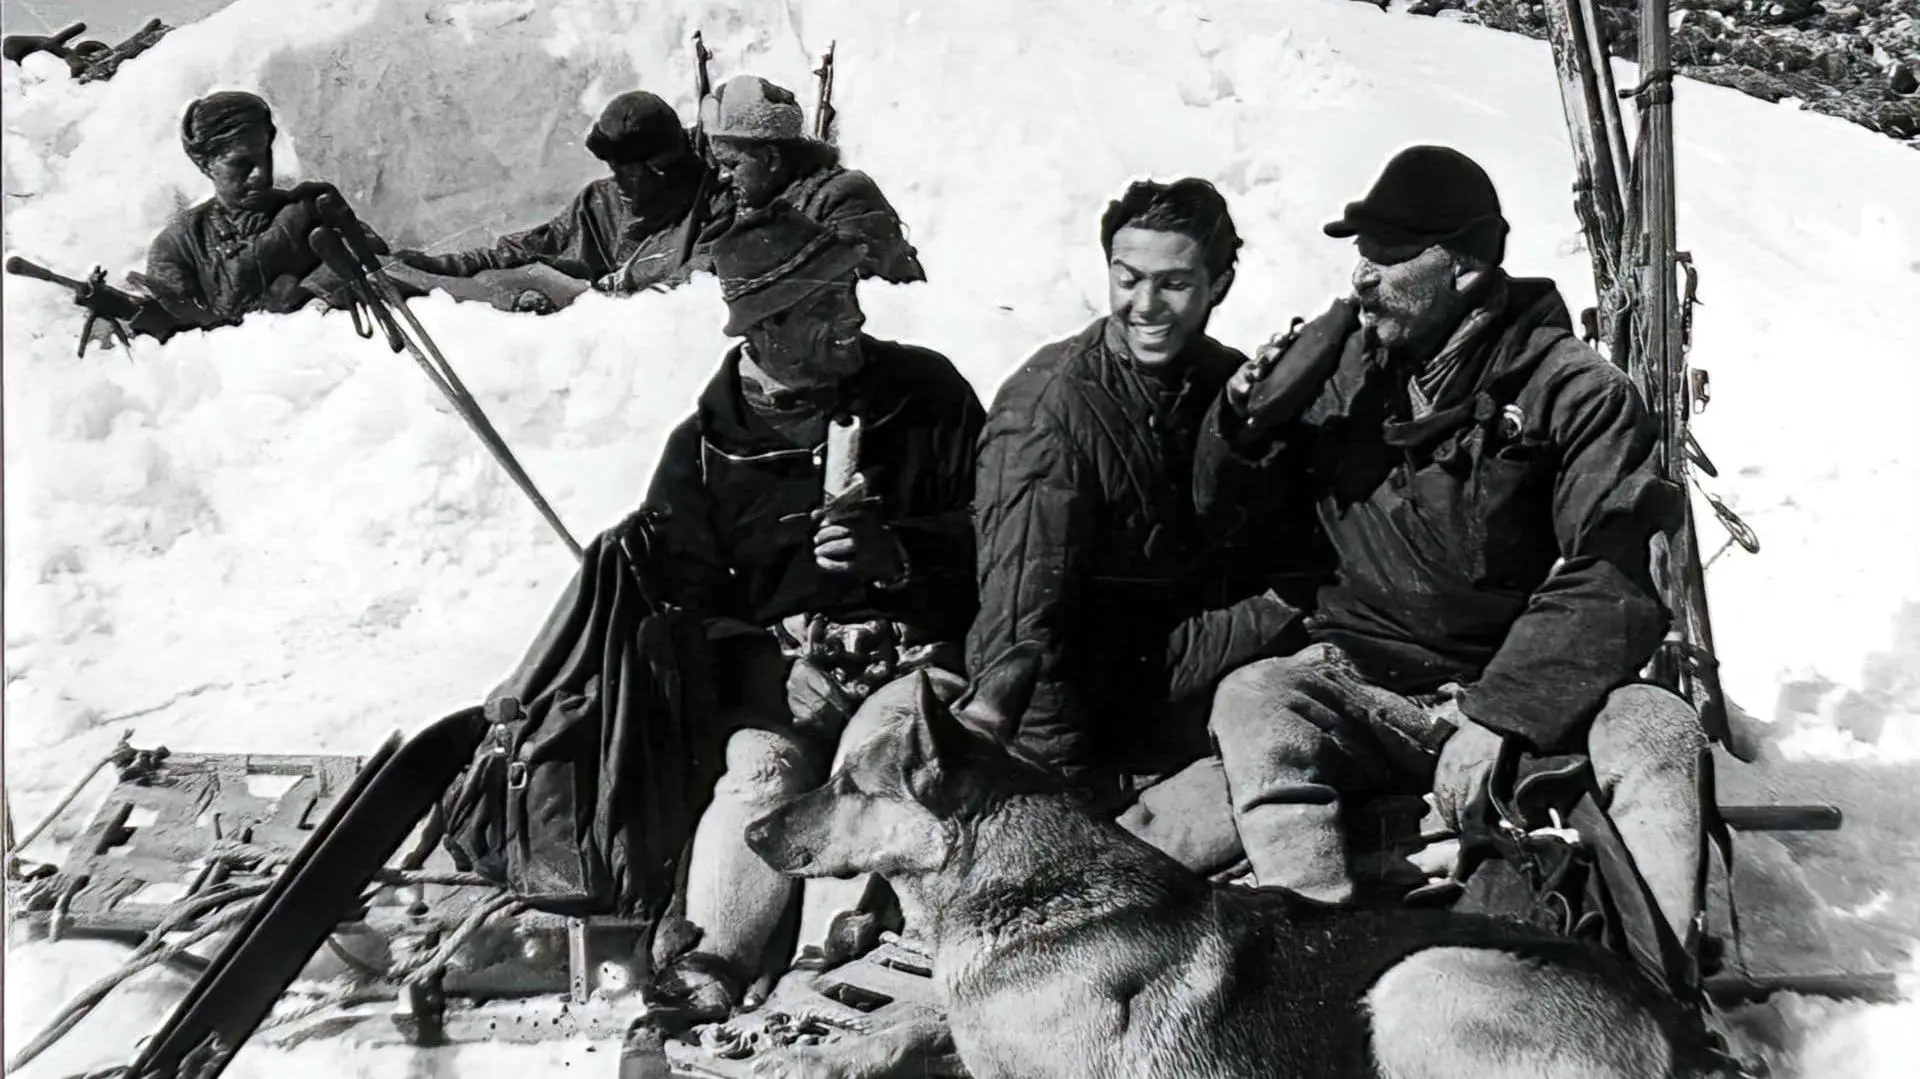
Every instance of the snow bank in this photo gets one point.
(276, 537)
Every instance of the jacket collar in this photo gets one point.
(1513, 348)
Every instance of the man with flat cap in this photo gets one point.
(623, 232)
(814, 595)
(245, 250)
(1484, 490)
(764, 153)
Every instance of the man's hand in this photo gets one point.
(310, 190)
(420, 260)
(820, 706)
(296, 219)
(857, 541)
(1464, 765)
(1240, 386)
(285, 295)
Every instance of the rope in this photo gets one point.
(150, 953)
(432, 965)
(238, 901)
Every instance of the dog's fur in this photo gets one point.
(1065, 947)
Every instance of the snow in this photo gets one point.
(278, 538)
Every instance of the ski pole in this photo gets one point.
(335, 214)
(332, 249)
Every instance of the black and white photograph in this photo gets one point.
(1071, 539)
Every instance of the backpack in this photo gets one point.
(601, 750)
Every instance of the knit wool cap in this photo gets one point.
(1425, 194)
(774, 258)
(748, 108)
(214, 122)
(635, 126)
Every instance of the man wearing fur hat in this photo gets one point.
(246, 249)
(760, 142)
(861, 585)
(623, 232)
(1485, 491)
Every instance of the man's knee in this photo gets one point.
(1645, 731)
(763, 767)
(1270, 705)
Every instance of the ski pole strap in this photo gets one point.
(327, 243)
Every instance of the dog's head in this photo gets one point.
(900, 803)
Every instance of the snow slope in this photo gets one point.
(276, 537)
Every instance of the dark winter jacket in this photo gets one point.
(737, 497)
(1501, 542)
(595, 235)
(211, 267)
(1090, 547)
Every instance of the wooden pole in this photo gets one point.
(1599, 161)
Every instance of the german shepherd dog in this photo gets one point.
(1063, 946)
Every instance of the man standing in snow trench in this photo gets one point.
(245, 250)
(1089, 545)
(623, 232)
(1486, 491)
(862, 590)
(764, 154)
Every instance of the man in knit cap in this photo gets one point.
(760, 142)
(246, 249)
(623, 232)
(813, 602)
(1485, 489)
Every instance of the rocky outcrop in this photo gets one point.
(1856, 59)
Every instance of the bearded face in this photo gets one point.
(1410, 294)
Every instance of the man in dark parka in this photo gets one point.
(1485, 487)
(245, 250)
(625, 231)
(739, 497)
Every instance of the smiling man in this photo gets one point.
(1088, 542)
(857, 593)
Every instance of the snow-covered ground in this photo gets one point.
(277, 538)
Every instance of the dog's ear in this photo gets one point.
(939, 738)
(1000, 694)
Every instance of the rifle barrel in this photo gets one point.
(21, 267)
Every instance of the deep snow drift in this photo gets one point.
(277, 538)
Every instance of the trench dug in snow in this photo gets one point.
(276, 538)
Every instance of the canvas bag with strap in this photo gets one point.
(600, 755)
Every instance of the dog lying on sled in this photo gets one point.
(1063, 946)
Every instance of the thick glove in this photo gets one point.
(433, 264)
(1287, 373)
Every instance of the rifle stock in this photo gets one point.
(824, 113)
